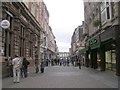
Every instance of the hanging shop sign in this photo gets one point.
(5, 24)
(93, 41)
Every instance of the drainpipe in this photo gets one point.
(118, 43)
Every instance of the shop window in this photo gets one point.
(111, 60)
(108, 59)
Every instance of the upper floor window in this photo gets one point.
(33, 7)
(106, 13)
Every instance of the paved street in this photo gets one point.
(66, 77)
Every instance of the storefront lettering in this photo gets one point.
(94, 41)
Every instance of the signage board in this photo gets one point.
(5, 24)
(93, 41)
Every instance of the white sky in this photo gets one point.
(65, 16)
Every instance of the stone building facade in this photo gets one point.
(102, 23)
(52, 47)
(25, 34)
(77, 43)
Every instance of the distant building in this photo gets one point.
(64, 55)
(51, 47)
(77, 42)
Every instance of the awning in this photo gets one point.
(95, 46)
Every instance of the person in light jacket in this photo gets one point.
(17, 63)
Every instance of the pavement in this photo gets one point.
(65, 77)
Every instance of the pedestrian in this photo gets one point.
(60, 62)
(25, 66)
(52, 62)
(67, 62)
(79, 64)
(42, 66)
(16, 62)
(47, 62)
(36, 63)
(10, 66)
(21, 68)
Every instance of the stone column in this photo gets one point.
(91, 58)
(102, 57)
(95, 59)
(117, 37)
(86, 59)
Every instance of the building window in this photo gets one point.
(112, 9)
(105, 11)
(108, 13)
(22, 41)
(30, 45)
(5, 44)
(7, 38)
(33, 7)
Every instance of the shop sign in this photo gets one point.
(93, 41)
(5, 24)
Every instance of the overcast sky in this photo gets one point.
(65, 16)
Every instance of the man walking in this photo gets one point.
(42, 66)
(16, 62)
(25, 66)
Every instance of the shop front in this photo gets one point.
(101, 50)
(109, 46)
(94, 49)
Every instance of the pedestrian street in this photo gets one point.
(65, 77)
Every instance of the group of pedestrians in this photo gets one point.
(18, 68)
(76, 62)
(64, 62)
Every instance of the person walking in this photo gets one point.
(10, 66)
(42, 66)
(60, 62)
(25, 66)
(79, 64)
(68, 62)
(16, 62)
(36, 64)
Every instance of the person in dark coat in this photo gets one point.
(25, 66)
(42, 66)
(10, 66)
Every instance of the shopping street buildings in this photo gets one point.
(102, 24)
(78, 44)
(26, 36)
(100, 43)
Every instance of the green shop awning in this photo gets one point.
(95, 46)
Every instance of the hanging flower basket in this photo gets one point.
(96, 23)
